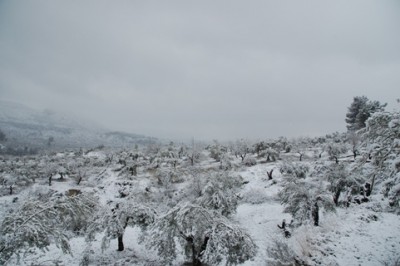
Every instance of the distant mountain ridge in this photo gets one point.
(16, 112)
(27, 127)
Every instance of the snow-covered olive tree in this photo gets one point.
(354, 140)
(220, 193)
(339, 180)
(300, 145)
(303, 200)
(217, 150)
(242, 148)
(270, 154)
(113, 219)
(205, 236)
(296, 169)
(381, 140)
(335, 149)
(40, 221)
(194, 152)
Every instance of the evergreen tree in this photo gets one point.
(360, 110)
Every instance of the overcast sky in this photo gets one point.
(202, 69)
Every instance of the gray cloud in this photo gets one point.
(206, 69)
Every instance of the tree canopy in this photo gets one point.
(360, 110)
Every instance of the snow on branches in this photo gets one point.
(205, 235)
(39, 222)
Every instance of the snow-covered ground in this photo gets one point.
(357, 235)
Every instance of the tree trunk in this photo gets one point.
(133, 170)
(121, 236)
(336, 196)
(372, 183)
(120, 243)
(315, 213)
(204, 246)
(195, 260)
(79, 180)
(270, 174)
(367, 189)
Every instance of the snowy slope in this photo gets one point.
(357, 235)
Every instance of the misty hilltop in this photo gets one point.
(27, 128)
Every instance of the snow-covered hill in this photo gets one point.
(27, 127)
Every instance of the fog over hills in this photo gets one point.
(27, 127)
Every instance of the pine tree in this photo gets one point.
(360, 110)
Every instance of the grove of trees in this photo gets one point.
(184, 198)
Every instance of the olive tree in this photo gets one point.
(242, 148)
(220, 193)
(40, 221)
(115, 217)
(381, 140)
(205, 236)
(303, 200)
(335, 150)
(339, 180)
